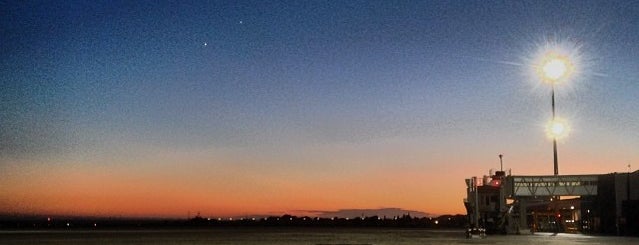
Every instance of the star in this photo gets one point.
(205, 44)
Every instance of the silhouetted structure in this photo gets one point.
(405, 221)
(599, 204)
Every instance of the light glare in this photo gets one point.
(555, 67)
(557, 129)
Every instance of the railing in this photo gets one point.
(561, 185)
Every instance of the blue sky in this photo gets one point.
(309, 85)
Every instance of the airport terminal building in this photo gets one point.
(511, 204)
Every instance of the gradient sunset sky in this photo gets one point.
(137, 108)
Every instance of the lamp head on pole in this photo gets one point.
(555, 68)
(557, 129)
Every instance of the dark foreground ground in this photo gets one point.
(311, 236)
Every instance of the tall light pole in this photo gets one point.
(501, 163)
(554, 138)
(553, 69)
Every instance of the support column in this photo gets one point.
(523, 221)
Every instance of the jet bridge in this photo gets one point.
(551, 185)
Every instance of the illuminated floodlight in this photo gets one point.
(557, 129)
(555, 67)
(556, 62)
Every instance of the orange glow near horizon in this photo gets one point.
(175, 184)
(92, 192)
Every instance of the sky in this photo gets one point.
(167, 108)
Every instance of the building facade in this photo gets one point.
(599, 204)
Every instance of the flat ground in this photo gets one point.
(293, 236)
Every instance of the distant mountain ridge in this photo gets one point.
(380, 212)
(340, 213)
